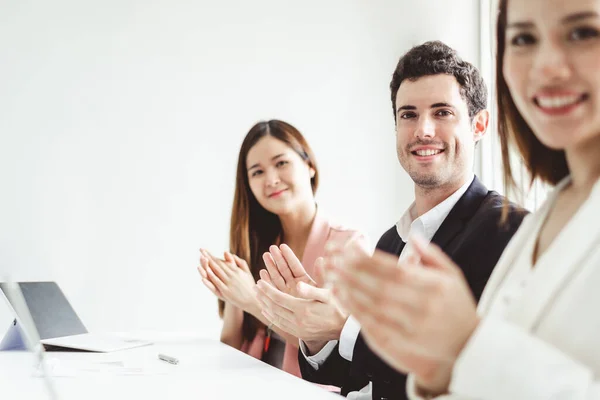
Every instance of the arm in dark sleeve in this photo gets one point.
(334, 371)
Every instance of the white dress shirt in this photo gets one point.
(425, 227)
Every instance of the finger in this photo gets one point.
(264, 275)
(282, 264)
(201, 270)
(329, 267)
(215, 259)
(334, 246)
(276, 277)
(369, 272)
(309, 292)
(399, 317)
(320, 272)
(274, 309)
(405, 289)
(228, 257)
(293, 262)
(278, 297)
(280, 323)
(398, 348)
(219, 270)
(212, 288)
(241, 263)
(432, 256)
(381, 265)
(411, 259)
(216, 281)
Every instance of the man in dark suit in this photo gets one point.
(439, 104)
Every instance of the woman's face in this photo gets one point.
(552, 68)
(279, 178)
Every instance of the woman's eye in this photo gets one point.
(583, 33)
(523, 39)
(256, 173)
(281, 163)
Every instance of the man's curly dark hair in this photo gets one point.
(434, 58)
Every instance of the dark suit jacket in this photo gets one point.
(472, 236)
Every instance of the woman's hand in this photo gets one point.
(416, 315)
(229, 279)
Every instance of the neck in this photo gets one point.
(427, 198)
(296, 226)
(584, 164)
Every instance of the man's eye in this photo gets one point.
(583, 33)
(408, 115)
(522, 39)
(444, 113)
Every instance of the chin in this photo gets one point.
(426, 181)
(558, 140)
(279, 209)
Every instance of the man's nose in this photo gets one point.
(425, 128)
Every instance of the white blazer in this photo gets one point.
(545, 345)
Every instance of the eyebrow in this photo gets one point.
(438, 105)
(566, 20)
(258, 164)
(579, 16)
(434, 105)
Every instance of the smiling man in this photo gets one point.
(439, 104)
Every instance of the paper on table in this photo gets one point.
(79, 368)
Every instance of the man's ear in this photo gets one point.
(480, 125)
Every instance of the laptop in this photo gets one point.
(57, 323)
(31, 340)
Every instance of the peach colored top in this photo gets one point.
(321, 231)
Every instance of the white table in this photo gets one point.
(207, 369)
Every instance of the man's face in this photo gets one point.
(435, 138)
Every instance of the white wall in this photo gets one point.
(120, 121)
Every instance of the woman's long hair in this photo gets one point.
(253, 228)
(542, 162)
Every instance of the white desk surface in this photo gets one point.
(207, 369)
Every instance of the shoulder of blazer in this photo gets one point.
(477, 202)
(390, 242)
(490, 213)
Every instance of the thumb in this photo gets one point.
(241, 263)
(309, 292)
(432, 256)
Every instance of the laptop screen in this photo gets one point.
(50, 310)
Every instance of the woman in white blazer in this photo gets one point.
(536, 332)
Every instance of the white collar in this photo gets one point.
(428, 224)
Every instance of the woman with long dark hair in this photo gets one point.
(534, 334)
(274, 204)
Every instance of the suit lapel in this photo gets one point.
(464, 209)
(562, 260)
(400, 247)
